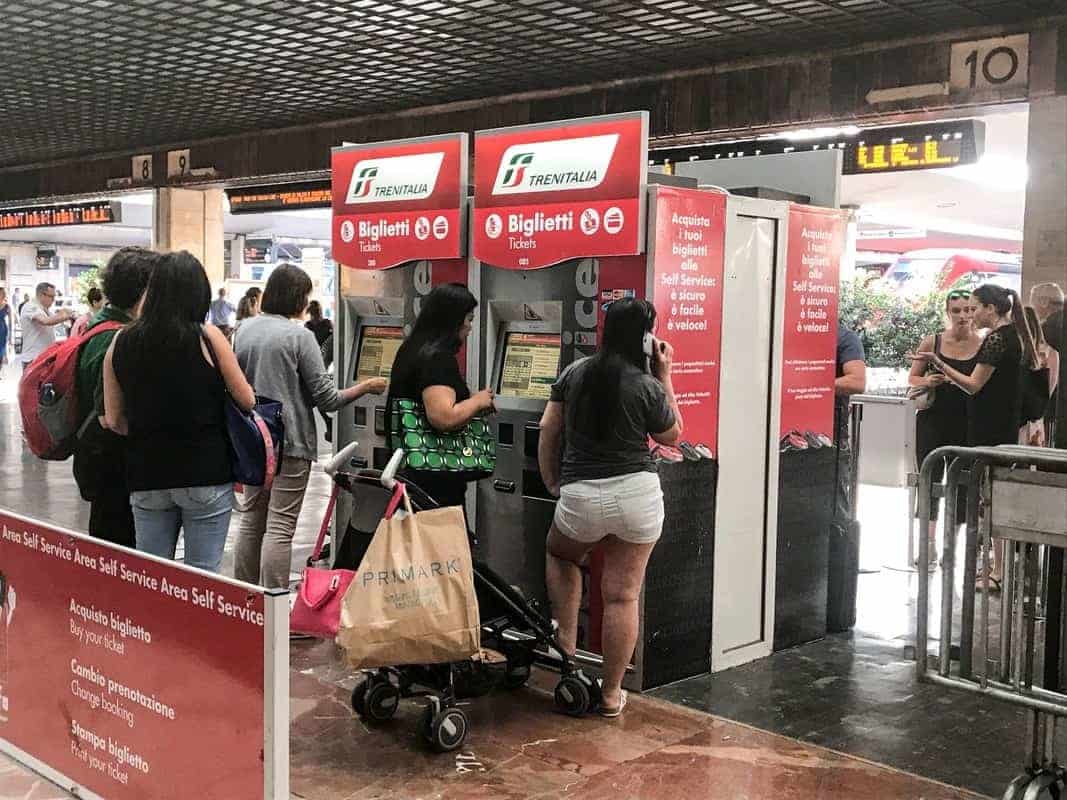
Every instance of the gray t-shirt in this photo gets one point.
(642, 410)
(282, 361)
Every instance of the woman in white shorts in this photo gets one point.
(594, 456)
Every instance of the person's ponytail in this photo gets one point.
(1022, 328)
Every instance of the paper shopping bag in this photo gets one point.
(412, 600)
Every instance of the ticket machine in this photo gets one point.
(398, 230)
(527, 326)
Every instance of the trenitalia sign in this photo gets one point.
(399, 201)
(548, 193)
(393, 179)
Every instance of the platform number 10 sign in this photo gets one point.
(990, 64)
(178, 163)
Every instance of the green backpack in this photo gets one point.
(469, 452)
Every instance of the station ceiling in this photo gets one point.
(90, 76)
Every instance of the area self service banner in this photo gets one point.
(547, 193)
(687, 258)
(130, 677)
(399, 201)
(809, 352)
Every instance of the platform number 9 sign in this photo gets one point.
(178, 162)
(990, 64)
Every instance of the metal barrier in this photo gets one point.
(1016, 496)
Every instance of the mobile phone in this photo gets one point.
(648, 344)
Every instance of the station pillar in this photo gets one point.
(191, 219)
(1045, 228)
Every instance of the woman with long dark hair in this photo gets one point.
(317, 323)
(994, 387)
(426, 369)
(594, 456)
(164, 389)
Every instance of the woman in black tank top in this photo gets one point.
(945, 422)
(165, 394)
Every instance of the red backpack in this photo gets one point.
(48, 397)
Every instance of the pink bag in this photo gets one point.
(317, 608)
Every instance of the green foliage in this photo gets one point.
(889, 324)
(80, 286)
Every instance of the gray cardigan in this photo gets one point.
(282, 361)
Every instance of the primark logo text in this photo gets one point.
(557, 166)
(381, 180)
(411, 573)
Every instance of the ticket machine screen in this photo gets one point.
(530, 363)
(377, 349)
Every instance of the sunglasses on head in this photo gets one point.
(959, 294)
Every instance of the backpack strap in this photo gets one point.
(103, 327)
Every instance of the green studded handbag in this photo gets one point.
(470, 452)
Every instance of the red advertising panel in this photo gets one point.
(399, 201)
(688, 270)
(816, 242)
(129, 676)
(547, 193)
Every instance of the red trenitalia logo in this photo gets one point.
(517, 169)
(365, 181)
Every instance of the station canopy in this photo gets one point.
(91, 76)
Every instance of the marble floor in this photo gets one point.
(822, 706)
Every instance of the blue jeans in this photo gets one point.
(202, 511)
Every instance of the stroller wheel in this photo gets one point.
(359, 698)
(381, 702)
(445, 731)
(517, 676)
(573, 696)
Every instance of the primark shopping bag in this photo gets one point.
(412, 600)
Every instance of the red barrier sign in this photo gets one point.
(688, 271)
(130, 677)
(816, 242)
(547, 193)
(399, 201)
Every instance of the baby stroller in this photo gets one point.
(514, 636)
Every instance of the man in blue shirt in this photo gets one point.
(222, 314)
(843, 565)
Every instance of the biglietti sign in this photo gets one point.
(548, 193)
(399, 201)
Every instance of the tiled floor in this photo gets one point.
(519, 747)
(856, 696)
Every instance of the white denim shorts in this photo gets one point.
(629, 507)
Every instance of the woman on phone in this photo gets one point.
(945, 421)
(594, 456)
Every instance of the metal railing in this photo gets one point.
(1016, 503)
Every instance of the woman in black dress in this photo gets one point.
(426, 369)
(994, 388)
(945, 422)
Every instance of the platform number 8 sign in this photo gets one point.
(142, 168)
(990, 64)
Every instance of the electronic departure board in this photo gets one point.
(377, 350)
(900, 148)
(280, 197)
(95, 213)
(530, 364)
